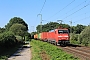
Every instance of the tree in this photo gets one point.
(7, 40)
(84, 37)
(78, 29)
(47, 27)
(14, 21)
(28, 37)
(18, 29)
(74, 38)
(2, 30)
(50, 26)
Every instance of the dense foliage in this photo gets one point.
(18, 29)
(7, 39)
(74, 38)
(84, 37)
(27, 37)
(52, 51)
(13, 35)
(15, 27)
(14, 21)
(50, 26)
(2, 30)
(77, 29)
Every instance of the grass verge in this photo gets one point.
(35, 51)
(50, 50)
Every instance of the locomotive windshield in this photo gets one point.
(62, 31)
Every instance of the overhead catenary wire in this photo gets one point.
(78, 10)
(83, 19)
(61, 9)
(42, 6)
(74, 12)
(75, 7)
(81, 14)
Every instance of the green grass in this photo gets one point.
(52, 51)
(35, 51)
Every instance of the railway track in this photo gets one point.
(78, 51)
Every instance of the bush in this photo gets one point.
(19, 38)
(27, 38)
(74, 38)
(84, 37)
(7, 39)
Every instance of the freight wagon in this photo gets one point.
(39, 36)
(35, 36)
(44, 36)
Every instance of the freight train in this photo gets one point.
(59, 36)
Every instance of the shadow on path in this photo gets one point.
(23, 53)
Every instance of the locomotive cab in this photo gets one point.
(62, 36)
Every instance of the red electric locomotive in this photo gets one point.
(59, 36)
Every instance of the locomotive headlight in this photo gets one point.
(65, 36)
(60, 36)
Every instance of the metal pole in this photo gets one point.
(71, 26)
(41, 21)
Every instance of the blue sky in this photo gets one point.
(77, 11)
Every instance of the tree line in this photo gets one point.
(52, 25)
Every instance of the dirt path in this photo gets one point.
(23, 53)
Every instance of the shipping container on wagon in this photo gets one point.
(51, 36)
(39, 36)
(35, 36)
(44, 36)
